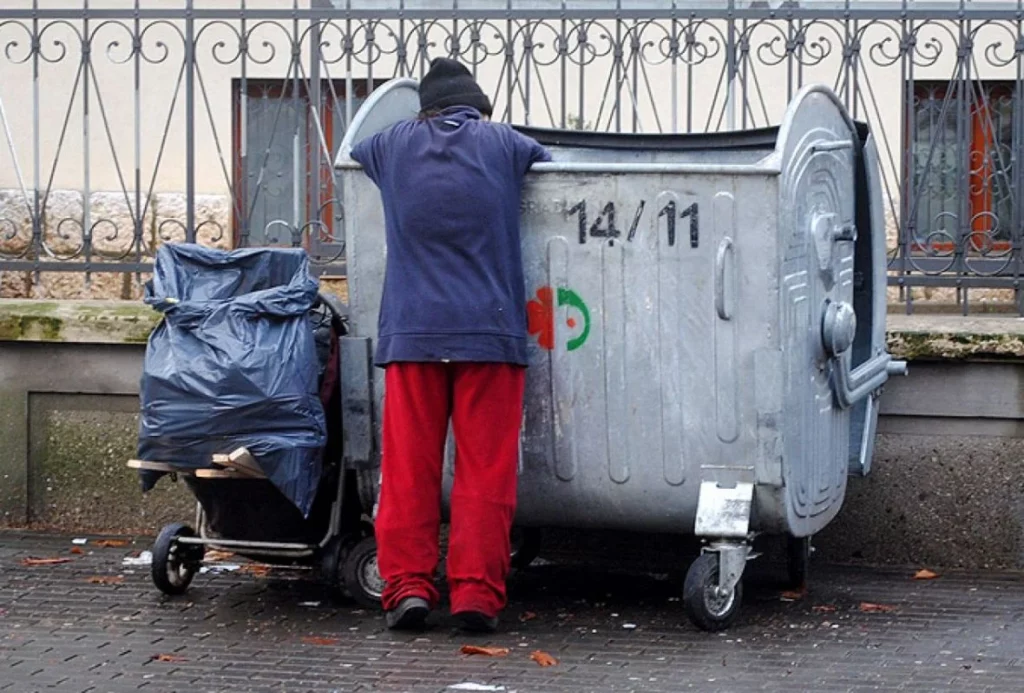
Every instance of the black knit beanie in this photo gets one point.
(449, 83)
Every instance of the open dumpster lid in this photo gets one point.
(731, 151)
(760, 139)
(398, 100)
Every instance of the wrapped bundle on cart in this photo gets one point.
(241, 397)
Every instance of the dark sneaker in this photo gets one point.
(477, 622)
(410, 614)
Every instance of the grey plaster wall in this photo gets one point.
(78, 445)
(947, 484)
(934, 498)
(68, 423)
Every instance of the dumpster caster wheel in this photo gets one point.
(174, 565)
(705, 605)
(798, 560)
(525, 546)
(360, 575)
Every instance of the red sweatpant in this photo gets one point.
(484, 402)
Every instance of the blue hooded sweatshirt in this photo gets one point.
(453, 284)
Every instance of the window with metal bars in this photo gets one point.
(960, 188)
(284, 193)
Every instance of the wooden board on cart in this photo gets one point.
(237, 465)
(241, 461)
(221, 474)
(157, 467)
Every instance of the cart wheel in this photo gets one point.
(525, 546)
(708, 609)
(332, 559)
(798, 560)
(174, 565)
(360, 575)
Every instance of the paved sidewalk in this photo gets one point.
(78, 627)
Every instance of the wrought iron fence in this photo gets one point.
(135, 123)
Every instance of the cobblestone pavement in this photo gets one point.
(93, 624)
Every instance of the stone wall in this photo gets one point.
(113, 220)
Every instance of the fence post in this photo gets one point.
(190, 124)
(37, 211)
(1018, 141)
(86, 182)
(730, 57)
(315, 128)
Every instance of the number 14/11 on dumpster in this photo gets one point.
(605, 226)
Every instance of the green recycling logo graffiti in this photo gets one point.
(540, 313)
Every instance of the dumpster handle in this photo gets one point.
(851, 387)
(724, 308)
(833, 146)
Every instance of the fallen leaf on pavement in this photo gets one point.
(527, 616)
(311, 640)
(925, 574)
(792, 595)
(217, 555)
(44, 561)
(106, 579)
(256, 569)
(543, 658)
(111, 543)
(168, 658)
(76, 550)
(869, 608)
(486, 651)
(823, 608)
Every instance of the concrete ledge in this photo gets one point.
(910, 337)
(79, 322)
(955, 337)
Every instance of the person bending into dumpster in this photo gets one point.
(452, 341)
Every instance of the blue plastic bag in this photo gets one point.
(232, 364)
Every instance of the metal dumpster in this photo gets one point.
(707, 319)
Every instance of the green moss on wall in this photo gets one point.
(948, 345)
(107, 322)
(29, 327)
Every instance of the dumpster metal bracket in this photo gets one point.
(732, 560)
(357, 402)
(723, 511)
